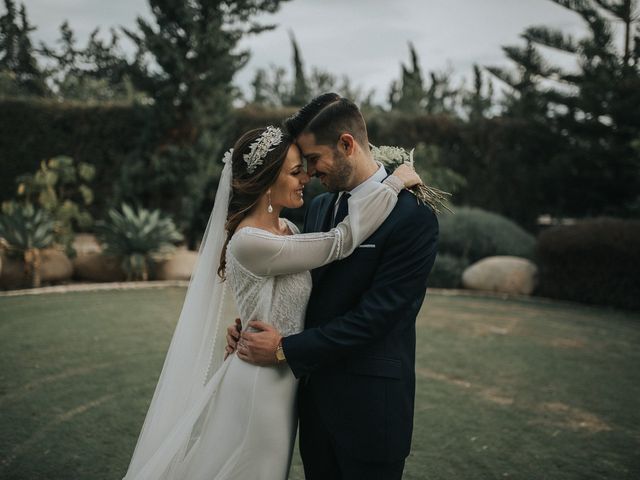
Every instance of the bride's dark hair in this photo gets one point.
(247, 188)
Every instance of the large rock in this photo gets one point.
(178, 267)
(504, 274)
(96, 267)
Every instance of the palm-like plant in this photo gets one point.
(139, 237)
(26, 230)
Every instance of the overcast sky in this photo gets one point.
(364, 39)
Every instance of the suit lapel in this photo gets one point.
(326, 216)
(323, 224)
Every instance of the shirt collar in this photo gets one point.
(378, 176)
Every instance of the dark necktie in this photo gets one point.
(343, 208)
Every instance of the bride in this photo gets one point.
(213, 417)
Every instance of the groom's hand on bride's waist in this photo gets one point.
(259, 348)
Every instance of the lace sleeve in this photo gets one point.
(264, 253)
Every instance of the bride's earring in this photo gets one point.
(269, 208)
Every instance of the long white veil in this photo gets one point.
(172, 424)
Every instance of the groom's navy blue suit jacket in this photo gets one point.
(356, 355)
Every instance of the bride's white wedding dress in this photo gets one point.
(246, 414)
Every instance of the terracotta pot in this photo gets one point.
(96, 267)
(178, 267)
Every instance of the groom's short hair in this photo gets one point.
(328, 116)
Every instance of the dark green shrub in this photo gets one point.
(472, 234)
(447, 271)
(594, 261)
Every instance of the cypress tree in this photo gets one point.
(300, 92)
(479, 100)
(410, 94)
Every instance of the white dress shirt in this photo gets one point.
(378, 176)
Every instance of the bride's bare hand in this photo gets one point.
(408, 175)
(233, 335)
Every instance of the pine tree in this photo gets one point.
(65, 71)
(523, 98)
(186, 61)
(441, 98)
(322, 81)
(97, 72)
(363, 98)
(596, 110)
(411, 95)
(274, 90)
(108, 64)
(19, 69)
(9, 35)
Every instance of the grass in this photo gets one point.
(505, 388)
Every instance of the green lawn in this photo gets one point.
(506, 389)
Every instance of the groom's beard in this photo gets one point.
(338, 179)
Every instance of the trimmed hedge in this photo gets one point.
(594, 261)
(118, 140)
(108, 136)
(407, 130)
(119, 137)
(506, 161)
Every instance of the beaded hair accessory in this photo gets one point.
(271, 137)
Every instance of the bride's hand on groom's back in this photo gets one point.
(233, 335)
(408, 175)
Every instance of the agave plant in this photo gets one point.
(26, 230)
(139, 237)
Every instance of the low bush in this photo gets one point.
(594, 261)
(473, 233)
(447, 271)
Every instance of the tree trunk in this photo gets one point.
(32, 262)
(627, 32)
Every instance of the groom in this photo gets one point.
(356, 356)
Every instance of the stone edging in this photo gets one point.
(90, 287)
(96, 286)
